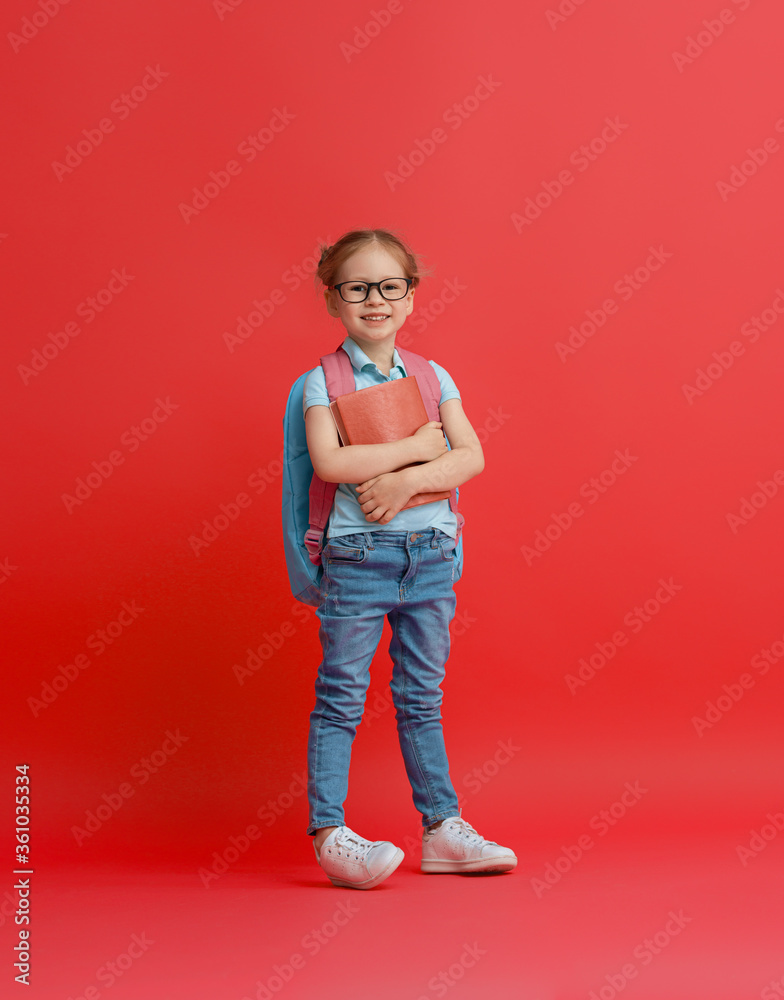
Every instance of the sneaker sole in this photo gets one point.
(435, 866)
(372, 882)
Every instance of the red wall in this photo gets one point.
(660, 241)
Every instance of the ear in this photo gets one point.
(329, 298)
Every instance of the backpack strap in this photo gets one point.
(339, 377)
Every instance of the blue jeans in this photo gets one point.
(406, 576)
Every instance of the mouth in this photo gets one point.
(375, 318)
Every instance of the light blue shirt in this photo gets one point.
(347, 517)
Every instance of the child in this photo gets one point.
(379, 560)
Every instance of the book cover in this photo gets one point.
(384, 412)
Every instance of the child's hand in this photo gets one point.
(431, 440)
(383, 496)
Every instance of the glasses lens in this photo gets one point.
(355, 291)
(394, 288)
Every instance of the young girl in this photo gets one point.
(379, 560)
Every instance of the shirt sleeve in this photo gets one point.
(315, 390)
(448, 388)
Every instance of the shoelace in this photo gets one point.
(353, 843)
(464, 829)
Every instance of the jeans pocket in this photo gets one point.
(345, 548)
(447, 548)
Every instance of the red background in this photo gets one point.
(548, 425)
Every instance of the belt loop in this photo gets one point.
(369, 540)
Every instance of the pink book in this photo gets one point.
(385, 412)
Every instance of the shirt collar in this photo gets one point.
(362, 362)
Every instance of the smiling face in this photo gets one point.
(370, 265)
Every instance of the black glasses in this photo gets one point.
(358, 291)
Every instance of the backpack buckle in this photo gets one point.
(313, 540)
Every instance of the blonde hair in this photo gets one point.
(333, 257)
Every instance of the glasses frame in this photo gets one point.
(372, 284)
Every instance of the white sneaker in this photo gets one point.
(455, 846)
(355, 863)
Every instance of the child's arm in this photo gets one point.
(354, 462)
(381, 497)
